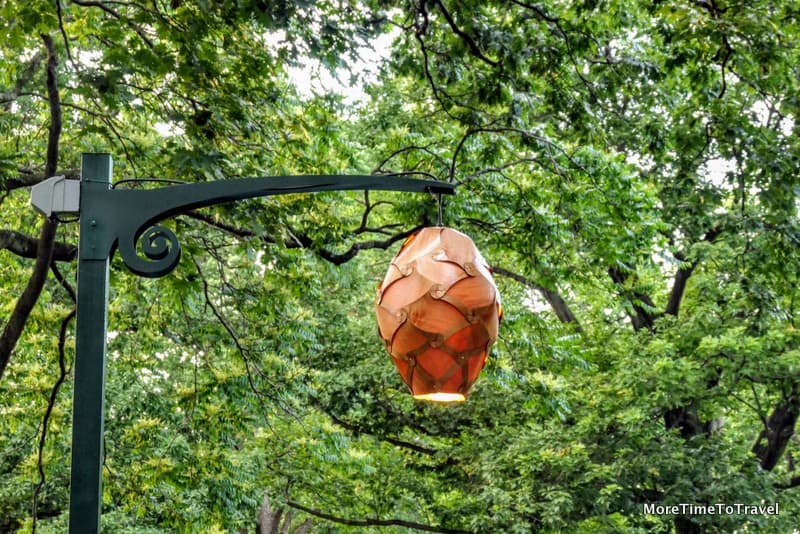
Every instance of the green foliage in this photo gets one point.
(629, 169)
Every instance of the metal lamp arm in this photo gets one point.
(116, 219)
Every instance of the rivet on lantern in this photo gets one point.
(438, 291)
(407, 269)
(436, 341)
(440, 318)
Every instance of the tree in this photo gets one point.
(627, 168)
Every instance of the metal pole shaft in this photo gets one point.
(90, 354)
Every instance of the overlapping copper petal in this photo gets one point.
(438, 313)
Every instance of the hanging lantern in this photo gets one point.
(438, 313)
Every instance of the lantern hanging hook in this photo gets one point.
(439, 207)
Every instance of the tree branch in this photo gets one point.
(300, 240)
(355, 248)
(54, 134)
(63, 30)
(540, 13)
(541, 140)
(794, 482)
(28, 177)
(772, 440)
(26, 246)
(271, 521)
(250, 366)
(358, 430)
(559, 305)
(379, 168)
(139, 30)
(24, 79)
(51, 403)
(678, 287)
(641, 318)
(684, 418)
(683, 274)
(375, 522)
(468, 40)
(44, 251)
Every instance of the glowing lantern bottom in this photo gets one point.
(438, 313)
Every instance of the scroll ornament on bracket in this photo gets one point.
(160, 247)
(438, 312)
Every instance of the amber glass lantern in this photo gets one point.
(438, 313)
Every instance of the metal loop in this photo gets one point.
(161, 248)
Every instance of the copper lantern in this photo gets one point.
(438, 313)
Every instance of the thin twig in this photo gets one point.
(63, 371)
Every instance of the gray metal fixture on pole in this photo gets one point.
(116, 219)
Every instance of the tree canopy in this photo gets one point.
(629, 169)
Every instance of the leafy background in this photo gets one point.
(628, 168)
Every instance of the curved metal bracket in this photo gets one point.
(118, 218)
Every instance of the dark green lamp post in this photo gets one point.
(116, 219)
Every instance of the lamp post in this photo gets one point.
(116, 219)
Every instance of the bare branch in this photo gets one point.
(358, 430)
(355, 248)
(540, 13)
(62, 29)
(250, 367)
(642, 318)
(468, 40)
(559, 305)
(368, 207)
(28, 178)
(794, 482)
(44, 251)
(526, 134)
(301, 240)
(437, 93)
(374, 522)
(51, 403)
(26, 246)
(500, 169)
(117, 16)
(406, 149)
(24, 79)
(271, 521)
(54, 134)
(233, 230)
(683, 274)
(772, 440)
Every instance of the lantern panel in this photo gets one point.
(412, 288)
(431, 315)
(409, 340)
(472, 292)
(443, 273)
(459, 248)
(403, 367)
(468, 339)
(437, 364)
(475, 366)
(387, 323)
